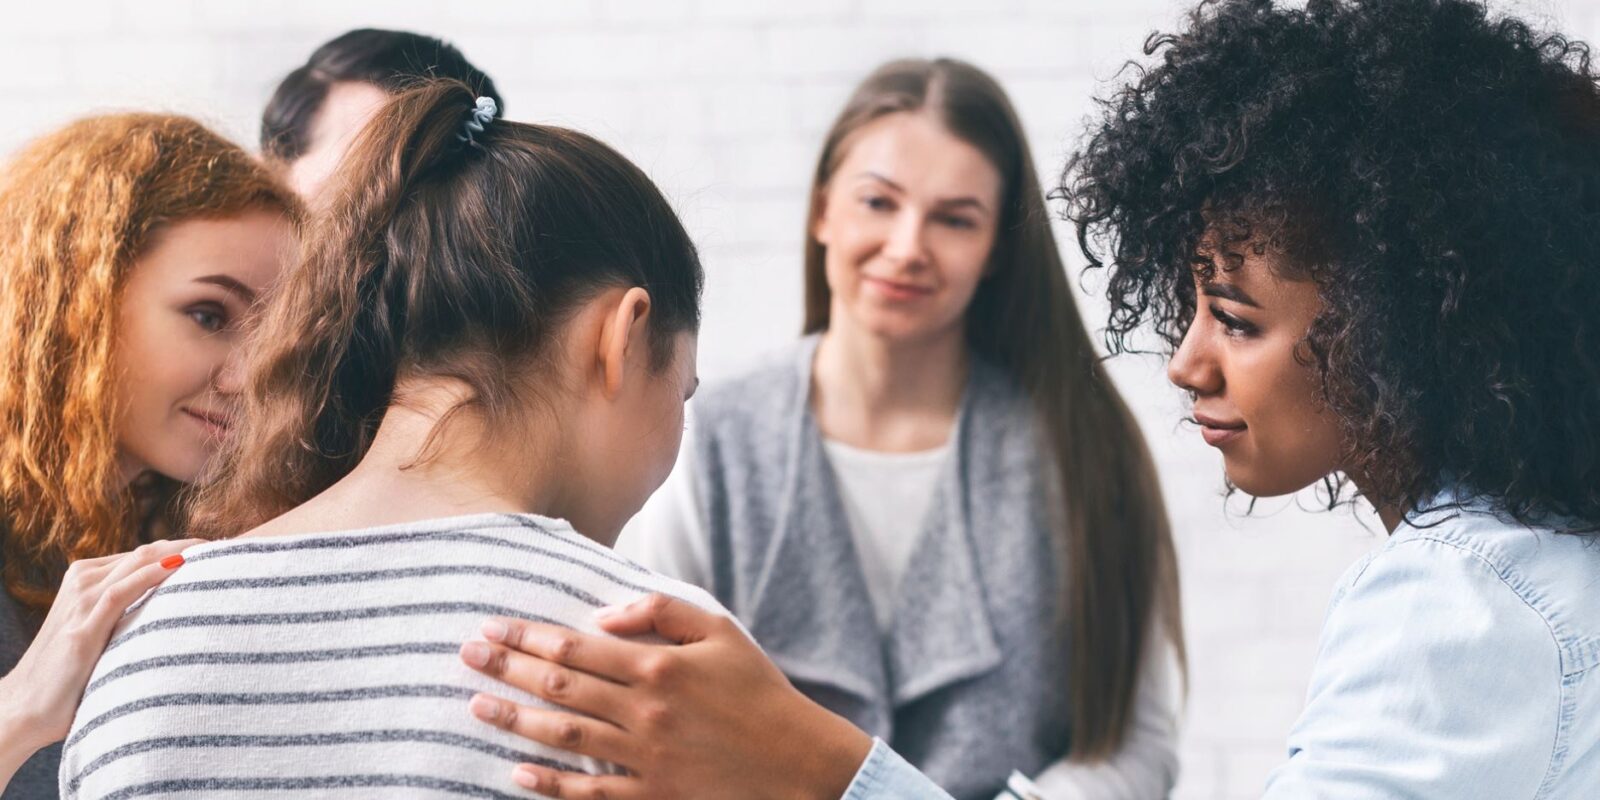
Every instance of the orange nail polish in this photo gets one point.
(173, 561)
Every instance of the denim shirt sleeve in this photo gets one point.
(887, 776)
(1435, 679)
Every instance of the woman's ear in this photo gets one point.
(819, 211)
(624, 332)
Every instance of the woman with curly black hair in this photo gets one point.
(1366, 233)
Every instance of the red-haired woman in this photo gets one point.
(131, 248)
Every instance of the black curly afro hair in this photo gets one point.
(1435, 170)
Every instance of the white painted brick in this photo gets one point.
(776, 163)
(161, 17)
(940, 9)
(77, 18)
(512, 14)
(143, 68)
(747, 108)
(1042, 48)
(32, 67)
(816, 104)
(645, 12)
(775, 12)
(831, 51)
(609, 56)
(722, 52)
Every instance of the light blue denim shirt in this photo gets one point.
(1462, 659)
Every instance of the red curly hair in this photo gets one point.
(76, 208)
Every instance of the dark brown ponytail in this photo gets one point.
(445, 257)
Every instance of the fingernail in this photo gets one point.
(173, 561)
(475, 653)
(484, 708)
(494, 630)
(609, 611)
(525, 777)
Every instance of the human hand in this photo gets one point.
(40, 695)
(708, 717)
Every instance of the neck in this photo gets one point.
(1390, 515)
(881, 394)
(427, 461)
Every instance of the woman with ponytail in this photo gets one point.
(934, 511)
(132, 247)
(485, 350)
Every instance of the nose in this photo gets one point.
(1193, 367)
(905, 244)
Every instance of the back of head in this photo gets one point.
(76, 208)
(390, 60)
(440, 256)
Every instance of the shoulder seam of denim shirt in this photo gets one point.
(1578, 653)
(1509, 578)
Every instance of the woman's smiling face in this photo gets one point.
(909, 219)
(1257, 396)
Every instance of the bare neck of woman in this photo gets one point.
(433, 457)
(876, 393)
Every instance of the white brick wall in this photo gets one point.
(724, 103)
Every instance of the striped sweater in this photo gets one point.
(325, 664)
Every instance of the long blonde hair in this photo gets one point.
(76, 207)
(1121, 570)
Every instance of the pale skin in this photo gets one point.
(345, 110)
(180, 322)
(698, 734)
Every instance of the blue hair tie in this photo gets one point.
(482, 115)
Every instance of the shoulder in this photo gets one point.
(772, 379)
(1536, 576)
(622, 578)
(747, 404)
(1442, 654)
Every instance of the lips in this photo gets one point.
(215, 423)
(895, 290)
(1218, 432)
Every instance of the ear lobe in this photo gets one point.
(627, 328)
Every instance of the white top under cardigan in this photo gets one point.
(668, 536)
(326, 664)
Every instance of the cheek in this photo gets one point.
(1295, 440)
(166, 361)
(962, 264)
(850, 246)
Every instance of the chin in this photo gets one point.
(182, 467)
(901, 327)
(1259, 481)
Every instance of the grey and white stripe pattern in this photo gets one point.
(325, 664)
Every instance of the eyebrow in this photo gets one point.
(1228, 291)
(231, 284)
(950, 202)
